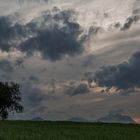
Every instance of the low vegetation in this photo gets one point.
(28, 130)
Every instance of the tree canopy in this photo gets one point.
(10, 98)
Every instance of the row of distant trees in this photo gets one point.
(10, 98)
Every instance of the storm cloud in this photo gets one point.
(57, 39)
(54, 34)
(11, 34)
(123, 76)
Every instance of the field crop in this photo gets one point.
(28, 130)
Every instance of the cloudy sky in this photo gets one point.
(72, 58)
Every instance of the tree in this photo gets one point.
(9, 99)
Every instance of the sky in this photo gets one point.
(72, 58)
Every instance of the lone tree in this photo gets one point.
(9, 99)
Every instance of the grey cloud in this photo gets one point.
(54, 34)
(19, 62)
(116, 112)
(88, 61)
(55, 41)
(36, 96)
(73, 90)
(93, 30)
(116, 25)
(28, 2)
(23, 1)
(6, 66)
(130, 21)
(33, 98)
(136, 7)
(5, 77)
(34, 78)
(123, 76)
(6, 33)
(10, 34)
(89, 77)
(135, 16)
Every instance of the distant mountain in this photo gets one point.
(116, 118)
(37, 119)
(77, 119)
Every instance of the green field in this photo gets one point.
(67, 131)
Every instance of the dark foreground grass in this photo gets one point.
(67, 131)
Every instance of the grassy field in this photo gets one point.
(67, 131)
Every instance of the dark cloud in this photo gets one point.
(54, 34)
(93, 30)
(116, 25)
(10, 34)
(6, 33)
(123, 76)
(60, 38)
(129, 22)
(6, 66)
(34, 78)
(73, 89)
